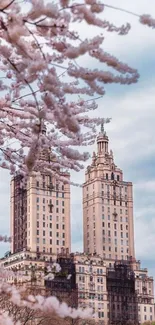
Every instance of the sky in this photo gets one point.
(131, 132)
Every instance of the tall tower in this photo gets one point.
(40, 212)
(107, 206)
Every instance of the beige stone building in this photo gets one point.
(92, 274)
(108, 277)
(40, 214)
(107, 206)
(93, 282)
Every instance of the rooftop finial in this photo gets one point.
(102, 127)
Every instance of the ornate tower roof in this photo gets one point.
(102, 142)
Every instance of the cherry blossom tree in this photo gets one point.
(46, 95)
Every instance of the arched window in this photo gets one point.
(112, 176)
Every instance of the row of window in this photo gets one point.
(109, 234)
(108, 202)
(115, 226)
(123, 242)
(50, 202)
(49, 217)
(38, 241)
(50, 225)
(50, 209)
(82, 270)
(114, 211)
(58, 243)
(49, 184)
(116, 250)
(44, 233)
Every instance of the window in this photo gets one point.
(115, 233)
(57, 242)
(43, 216)
(108, 217)
(121, 234)
(127, 227)
(50, 225)
(37, 224)
(103, 248)
(109, 248)
(63, 243)
(115, 226)
(102, 216)
(37, 232)
(37, 184)
(121, 227)
(108, 224)
(50, 233)
(43, 200)
(37, 215)
(109, 209)
(50, 250)
(43, 224)
(112, 176)
(37, 207)
(121, 241)
(118, 178)
(57, 194)
(43, 240)
(57, 210)
(144, 308)
(126, 235)
(102, 224)
(43, 232)
(62, 187)
(37, 200)
(109, 234)
(115, 241)
(63, 195)
(63, 235)
(115, 249)
(37, 240)
(43, 249)
(50, 217)
(50, 241)
(63, 210)
(57, 234)
(126, 212)
(43, 207)
(57, 226)
(63, 203)
(107, 176)
(57, 202)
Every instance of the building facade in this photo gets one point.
(40, 214)
(107, 206)
(119, 292)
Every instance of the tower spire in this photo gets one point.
(102, 127)
(102, 140)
